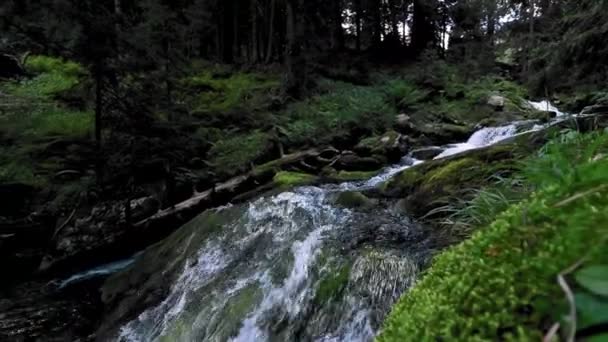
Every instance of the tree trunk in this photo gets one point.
(255, 52)
(271, 30)
(296, 64)
(423, 29)
(359, 10)
(338, 32)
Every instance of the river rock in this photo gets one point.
(426, 153)
(598, 109)
(497, 102)
(543, 116)
(353, 162)
(403, 123)
(391, 145)
(444, 134)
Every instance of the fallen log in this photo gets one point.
(222, 193)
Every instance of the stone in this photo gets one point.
(426, 153)
(543, 116)
(391, 145)
(354, 199)
(403, 123)
(497, 102)
(353, 162)
(595, 109)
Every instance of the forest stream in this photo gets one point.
(295, 265)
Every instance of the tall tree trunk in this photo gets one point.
(338, 31)
(423, 28)
(492, 18)
(358, 15)
(235, 22)
(296, 64)
(376, 22)
(255, 52)
(273, 6)
(98, 74)
(227, 28)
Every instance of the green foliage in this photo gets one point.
(501, 283)
(325, 117)
(286, 179)
(405, 94)
(235, 154)
(217, 92)
(53, 76)
(47, 123)
(16, 166)
(54, 65)
(594, 278)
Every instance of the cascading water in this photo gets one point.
(271, 273)
(297, 266)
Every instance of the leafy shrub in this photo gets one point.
(235, 154)
(324, 117)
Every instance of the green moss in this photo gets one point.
(53, 76)
(437, 183)
(234, 155)
(353, 199)
(501, 283)
(325, 117)
(380, 144)
(286, 179)
(217, 91)
(332, 286)
(351, 176)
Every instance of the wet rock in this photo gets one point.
(542, 116)
(352, 162)
(354, 199)
(444, 134)
(598, 109)
(497, 102)
(391, 145)
(403, 123)
(426, 153)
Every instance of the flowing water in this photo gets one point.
(297, 266)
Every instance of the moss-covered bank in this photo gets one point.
(501, 284)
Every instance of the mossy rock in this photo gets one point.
(354, 199)
(500, 285)
(388, 145)
(352, 176)
(333, 285)
(287, 179)
(436, 183)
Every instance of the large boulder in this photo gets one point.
(391, 146)
(426, 153)
(350, 161)
(444, 133)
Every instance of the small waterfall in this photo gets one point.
(257, 279)
(482, 138)
(546, 106)
(296, 266)
(491, 135)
